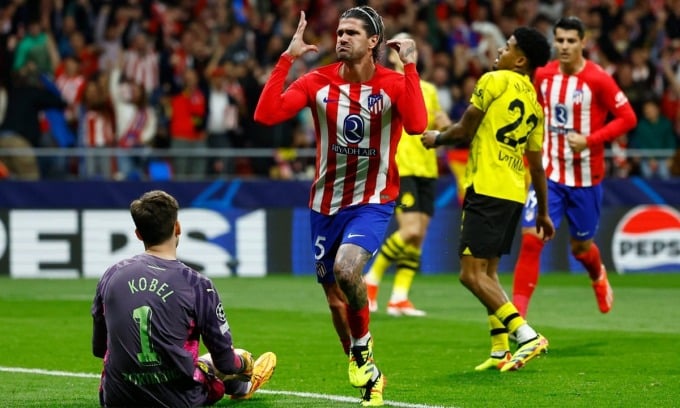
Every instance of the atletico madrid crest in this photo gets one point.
(375, 103)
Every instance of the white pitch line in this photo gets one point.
(336, 398)
(48, 372)
(339, 398)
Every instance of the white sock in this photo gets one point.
(371, 280)
(361, 341)
(398, 295)
(525, 333)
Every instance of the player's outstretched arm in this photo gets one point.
(462, 131)
(276, 105)
(298, 46)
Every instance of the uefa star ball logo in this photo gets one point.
(219, 311)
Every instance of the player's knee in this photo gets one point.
(411, 234)
(343, 275)
(468, 279)
(580, 247)
(335, 304)
(335, 299)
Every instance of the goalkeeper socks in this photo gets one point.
(527, 271)
(390, 251)
(592, 261)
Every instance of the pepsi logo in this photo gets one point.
(647, 239)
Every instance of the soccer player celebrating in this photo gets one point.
(418, 172)
(149, 314)
(578, 97)
(359, 109)
(503, 122)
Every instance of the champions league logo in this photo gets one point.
(219, 312)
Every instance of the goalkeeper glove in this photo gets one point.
(247, 364)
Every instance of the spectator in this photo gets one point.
(37, 47)
(26, 98)
(98, 32)
(442, 81)
(225, 103)
(87, 54)
(141, 64)
(637, 90)
(68, 27)
(108, 33)
(654, 132)
(136, 123)
(71, 84)
(670, 68)
(187, 127)
(96, 131)
(675, 164)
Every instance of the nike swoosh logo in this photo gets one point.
(355, 235)
(582, 234)
(326, 100)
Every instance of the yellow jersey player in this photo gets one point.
(503, 123)
(418, 172)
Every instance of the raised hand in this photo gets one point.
(406, 48)
(297, 46)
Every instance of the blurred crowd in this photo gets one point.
(186, 74)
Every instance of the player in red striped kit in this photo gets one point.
(359, 108)
(578, 97)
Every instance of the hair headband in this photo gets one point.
(375, 26)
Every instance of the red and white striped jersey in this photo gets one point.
(142, 69)
(358, 127)
(71, 88)
(580, 103)
(97, 130)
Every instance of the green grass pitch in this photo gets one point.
(628, 358)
